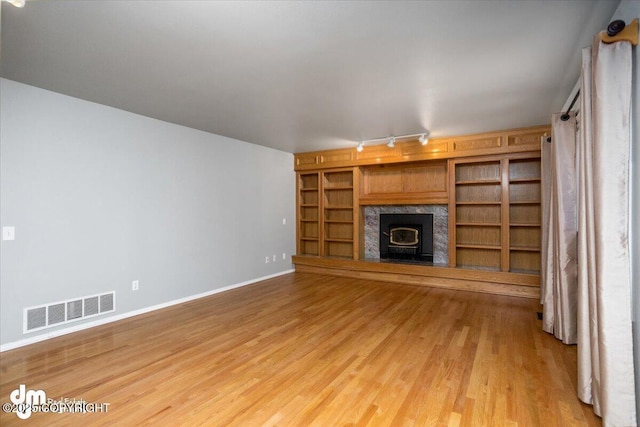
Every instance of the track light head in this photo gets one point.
(424, 138)
(360, 147)
(392, 142)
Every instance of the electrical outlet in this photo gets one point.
(284, 221)
(274, 257)
(266, 260)
(135, 285)
(8, 233)
(284, 255)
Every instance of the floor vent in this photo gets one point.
(61, 312)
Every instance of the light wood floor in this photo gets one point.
(305, 349)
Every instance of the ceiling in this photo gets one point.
(304, 76)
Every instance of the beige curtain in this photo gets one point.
(605, 352)
(559, 227)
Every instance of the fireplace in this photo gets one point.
(406, 237)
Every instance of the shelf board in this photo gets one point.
(480, 224)
(339, 240)
(309, 189)
(524, 202)
(338, 188)
(479, 203)
(308, 205)
(309, 220)
(338, 257)
(338, 221)
(523, 224)
(310, 239)
(525, 248)
(466, 246)
(515, 180)
(478, 182)
(339, 208)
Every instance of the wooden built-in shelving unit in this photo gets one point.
(338, 218)
(328, 217)
(475, 207)
(491, 183)
(495, 213)
(525, 232)
(308, 214)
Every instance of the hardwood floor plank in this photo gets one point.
(312, 350)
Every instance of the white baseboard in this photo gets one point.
(110, 319)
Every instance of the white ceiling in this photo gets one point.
(303, 76)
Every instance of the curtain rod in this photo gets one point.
(566, 115)
(619, 31)
(616, 31)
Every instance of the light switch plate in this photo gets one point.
(8, 233)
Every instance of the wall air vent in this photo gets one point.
(61, 312)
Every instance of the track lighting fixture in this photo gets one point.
(391, 140)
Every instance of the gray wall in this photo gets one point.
(100, 197)
(627, 11)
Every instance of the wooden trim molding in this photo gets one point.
(497, 142)
(491, 282)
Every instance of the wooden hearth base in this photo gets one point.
(491, 282)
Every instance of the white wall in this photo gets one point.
(100, 197)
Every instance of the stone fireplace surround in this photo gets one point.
(440, 229)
